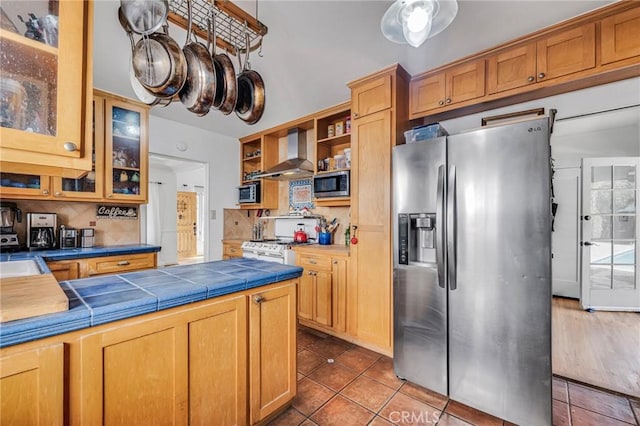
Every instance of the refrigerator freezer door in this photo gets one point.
(420, 316)
(500, 312)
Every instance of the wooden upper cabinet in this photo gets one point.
(566, 52)
(620, 36)
(511, 69)
(47, 87)
(465, 82)
(428, 93)
(371, 97)
(457, 84)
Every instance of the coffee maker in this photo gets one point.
(41, 230)
(9, 213)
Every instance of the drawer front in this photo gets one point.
(115, 264)
(309, 261)
(232, 250)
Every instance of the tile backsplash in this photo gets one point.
(79, 215)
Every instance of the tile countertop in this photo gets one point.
(98, 300)
(80, 253)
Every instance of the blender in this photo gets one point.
(9, 213)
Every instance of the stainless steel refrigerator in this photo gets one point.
(472, 268)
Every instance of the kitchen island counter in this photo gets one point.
(99, 300)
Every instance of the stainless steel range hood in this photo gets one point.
(296, 166)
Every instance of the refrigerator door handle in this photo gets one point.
(440, 225)
(451, 229)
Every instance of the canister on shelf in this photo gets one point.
(339, 128)
(347, 124)
(330, 131)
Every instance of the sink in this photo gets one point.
(19, 268)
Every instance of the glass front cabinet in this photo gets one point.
(126, 151)
(44, 92)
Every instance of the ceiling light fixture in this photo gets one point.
(414, 21)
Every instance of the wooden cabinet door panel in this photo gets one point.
(339, 274)
(65, 270)
(32, 387)
(465, 82)
(323, 297)
(427, 93)
(620, 36)
(218, 365)
(305, 295)
(135, 374)
(566, 53)
(272, 339)
(371, 97)
(371, 211)
(511, 69)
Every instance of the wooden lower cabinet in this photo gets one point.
(32, 387)
(65, 270)
(322, 291)
(186, 367)
(231, 249)
(272, 350)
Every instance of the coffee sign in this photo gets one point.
(117, 212)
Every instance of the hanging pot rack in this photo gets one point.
(232, 23)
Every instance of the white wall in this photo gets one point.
(220, 152)
(191, 178)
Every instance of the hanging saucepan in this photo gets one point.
(199, 88)
(159, 64)
(141, 93)
(145, 16)
(226, 92)
(251, 96)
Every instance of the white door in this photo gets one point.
(565, 239)
(610, 234)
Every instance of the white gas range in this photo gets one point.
(279, 249)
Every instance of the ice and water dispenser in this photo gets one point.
(416, 238)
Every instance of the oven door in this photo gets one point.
(262, 256)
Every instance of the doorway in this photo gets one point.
(175, 216)
(596, 163)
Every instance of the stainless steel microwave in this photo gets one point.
(334, 184)
(249, 193)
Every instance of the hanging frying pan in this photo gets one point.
(141, 93)
(200, 85)
(226, 89)
(251, 91)
(159, 64)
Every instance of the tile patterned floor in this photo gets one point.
(360, 388)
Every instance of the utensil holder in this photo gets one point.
(324, 238)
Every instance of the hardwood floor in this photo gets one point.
(599, 348)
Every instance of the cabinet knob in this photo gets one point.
(123, 263)
(258, 299)
(355, 114)
(70, 146)
(45, 192)
(441, 103)
(58, 194)
(448, 100)
(335, 262)
(541, 75)
(531, 78)
(109, 195)
(312, 261)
